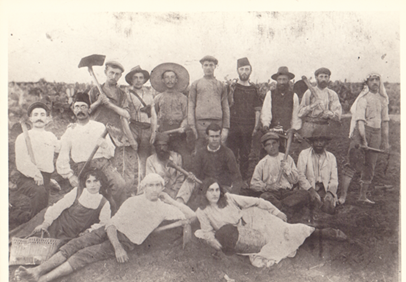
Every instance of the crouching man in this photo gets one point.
(130, 226)
(320, 169)
(279, 192)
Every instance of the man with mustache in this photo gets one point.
(320, 168)
(170, 80)
(319, 111)
(78, 142)
(369, 128)
(35, 174)
(280, 107)
(245, 107)
(158, 163)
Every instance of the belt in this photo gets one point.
(316, 120)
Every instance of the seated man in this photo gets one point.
(279, 192)
(129, 227)
(320, 169)
(215, 161)
(158, 163)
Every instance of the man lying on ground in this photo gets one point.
(130, 226)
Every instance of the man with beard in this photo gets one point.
(320, 168)
(158, 163)
(78, 142)
(318, 111)
(170, 79)
(215, 161)
(35, 173)
(143, 118)
(280, 107)
(245, 107)
(208, 104)
(112, 108)
(369, 126)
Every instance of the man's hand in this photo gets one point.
(290, 130)
(121, 254)
(364, 142)
(285, 167)
(133, 145)
(254, 131)
(282, 216)
(272, 86)
(272, 186)
(42, 227)
(193, 128)
(224, 134)
(215, 244)
(316, 103)
(73, 180)
(330, 198)
(102, 143)
(39, 180)
(386, 147)
(191, 177)
(327, 114)
(103, 99)
(84, 232)
(315, 197)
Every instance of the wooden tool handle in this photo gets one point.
(28, 142)
(181, 170)
(311, 88)
(176, 130)
(285, 157)
(90, 69)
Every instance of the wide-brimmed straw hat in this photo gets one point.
(283, 71)
(129, 76)
(181, 72)
(319, 133)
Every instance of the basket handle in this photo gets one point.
(42, 233)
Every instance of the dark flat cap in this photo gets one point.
(35, 106)
(210, 59)
(269, 135)
(322, 70)
(115, 64)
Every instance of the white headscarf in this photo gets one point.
(365, 90)
(148, 179)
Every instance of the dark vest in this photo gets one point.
(282, 107)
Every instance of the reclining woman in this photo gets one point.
(83, 209)
(251, 226)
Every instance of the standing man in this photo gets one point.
(281, 105)
(113, 108)
(245, 108)
(317, 110)
(35, 173)
(215, 161)
(143, 123)
(78, 142)
(320, 168)
(158, 163)
(208, 103)
(369, 123)
(170, 79)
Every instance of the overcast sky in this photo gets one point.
(350, 44)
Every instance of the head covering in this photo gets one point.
(210, 59)
(161, 138)
(269, 135)
(365, 90)
(227, 236)
(148, 179)
(134, 70)
(243, 62)
(81, 97)
(319, 133)
(322, 70)
(115, 64)
(181, 73)
(37, 105)
(283, 71)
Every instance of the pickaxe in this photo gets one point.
(181, 170)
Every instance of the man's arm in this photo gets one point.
(23, 160)
(62, 163)
(234, 171)
(189, 214)
(257, 183)
(226, 114)
(335, 105)
(121, 254)
(266, 112)
(333, 183)
(192, 108)
(305, 106)
(154, 123)
(296, 122)
(361, 130)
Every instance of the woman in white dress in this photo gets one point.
(250, 226)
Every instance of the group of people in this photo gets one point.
(157, 151)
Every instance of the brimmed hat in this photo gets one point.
(243, 62)
(37, 105)
(161, 138)
(210, 59)
(322, 70)
(115, 64)
(269, 135)
(134, 70)
(319, 133)
(181, 72)
(283, 71)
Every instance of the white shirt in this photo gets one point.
(138, 217)
(44, 144)
(78, 142)
(88, 200)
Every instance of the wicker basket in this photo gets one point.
(33, 250)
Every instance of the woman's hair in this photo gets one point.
(203, 190)
(104, 184)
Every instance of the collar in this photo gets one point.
(211, 150)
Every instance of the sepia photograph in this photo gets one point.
(175, 143)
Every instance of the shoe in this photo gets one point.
(366, 202)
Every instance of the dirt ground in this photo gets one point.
(370, 254)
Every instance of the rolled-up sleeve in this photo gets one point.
(266, 112)
(225, 107)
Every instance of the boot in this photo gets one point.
(344, 184)
(363, 194)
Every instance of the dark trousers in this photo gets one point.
(239, 141)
